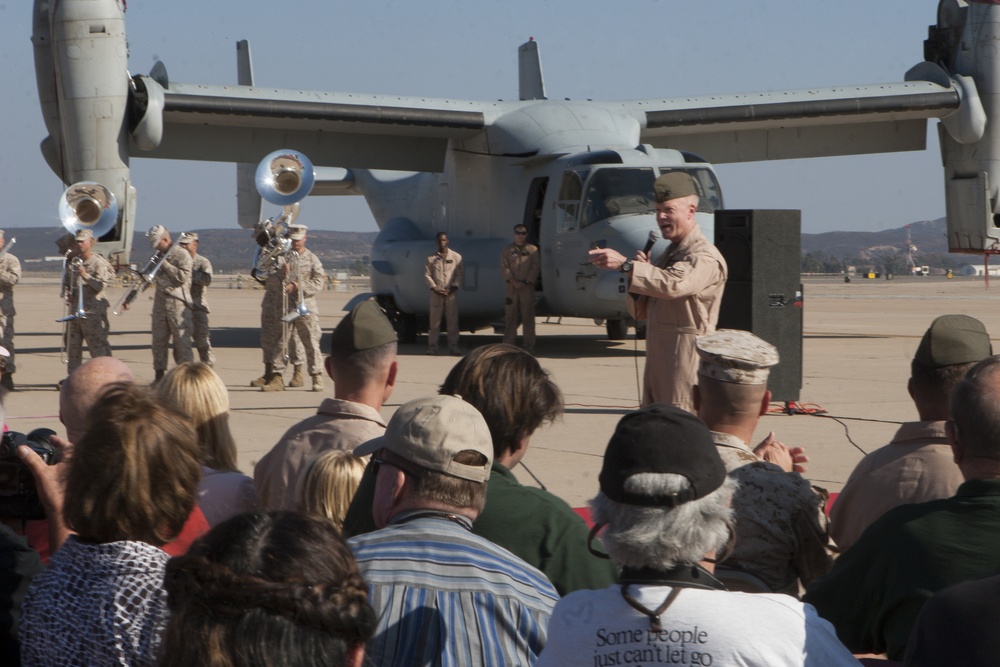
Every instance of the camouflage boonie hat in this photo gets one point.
(731, 355)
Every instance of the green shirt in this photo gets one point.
(876, 589)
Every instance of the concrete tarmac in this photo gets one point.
(859, 338)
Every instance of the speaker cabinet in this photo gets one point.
(763, 293)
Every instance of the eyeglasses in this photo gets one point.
(375, 463)
(520, 233)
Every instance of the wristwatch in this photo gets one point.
(626, 266)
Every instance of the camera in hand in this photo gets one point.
(18, 497)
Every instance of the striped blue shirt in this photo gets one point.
(447, 597)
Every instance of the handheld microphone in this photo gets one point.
(650, 242)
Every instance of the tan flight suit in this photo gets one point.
(520, 264)
(201, 277)
(10, 274)
(94, 329)
(312, 279)
(443, 272)
(679, 298)
(171, 316)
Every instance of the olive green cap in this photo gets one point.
(674, 185)
(953, 339)
(365, 327)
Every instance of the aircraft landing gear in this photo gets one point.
(405, 324)
(617, 329)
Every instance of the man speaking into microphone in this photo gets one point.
(679, 296)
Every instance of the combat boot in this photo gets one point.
(159, 376)
(7, 382)
(317, 382)
(274, 383)
(296, 376)
(262, 380)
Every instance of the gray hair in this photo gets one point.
(662, 537)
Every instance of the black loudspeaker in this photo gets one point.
(763, 292)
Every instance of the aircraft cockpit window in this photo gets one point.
(568, 206)
(709, 192)
(619, 191)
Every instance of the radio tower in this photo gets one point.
(910, 249)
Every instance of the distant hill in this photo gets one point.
(232, 250)
(929, 237)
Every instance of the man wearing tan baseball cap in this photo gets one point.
(424, 567)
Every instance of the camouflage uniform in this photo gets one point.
(10, 274)
(781, 530)
(171, 316)
(443, 272)
(312, 279)
(94, 329)
(520, 264)
(201, 277)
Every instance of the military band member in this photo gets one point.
(171, 316)
(283, 281)
(520, 266)
(201, 277)
(91, 273)
(10, 274)
(443, 273)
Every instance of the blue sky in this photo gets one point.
(467, 49)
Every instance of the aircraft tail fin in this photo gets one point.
(248, 202)
(531, 84)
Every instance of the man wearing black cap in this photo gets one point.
(362, 365)
(917, 465)
(877, 588)
(679, 296)
(664, 502)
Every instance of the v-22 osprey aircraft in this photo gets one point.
(579, 174)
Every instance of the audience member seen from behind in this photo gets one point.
(329, 483)
(277, 588)
(917, 465)
(664, 499)
(443, 595)
(198, 392)
(875, 590)
(532, 523)
(129, 488)
(780, 527)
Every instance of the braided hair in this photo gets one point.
(266, 588)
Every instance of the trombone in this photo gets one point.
(145, 279)
(294, 278)
(71, 281)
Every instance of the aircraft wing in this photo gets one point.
(242, 123)
(796, 124)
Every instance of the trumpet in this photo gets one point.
(294, 278)
(7, 246)
(145, 279)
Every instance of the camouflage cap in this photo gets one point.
(953, 339)
(187, 237)
(83, 235)
(365, 327)
(673, 185)
(155, 233)
(731, 355)
(296, 232)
